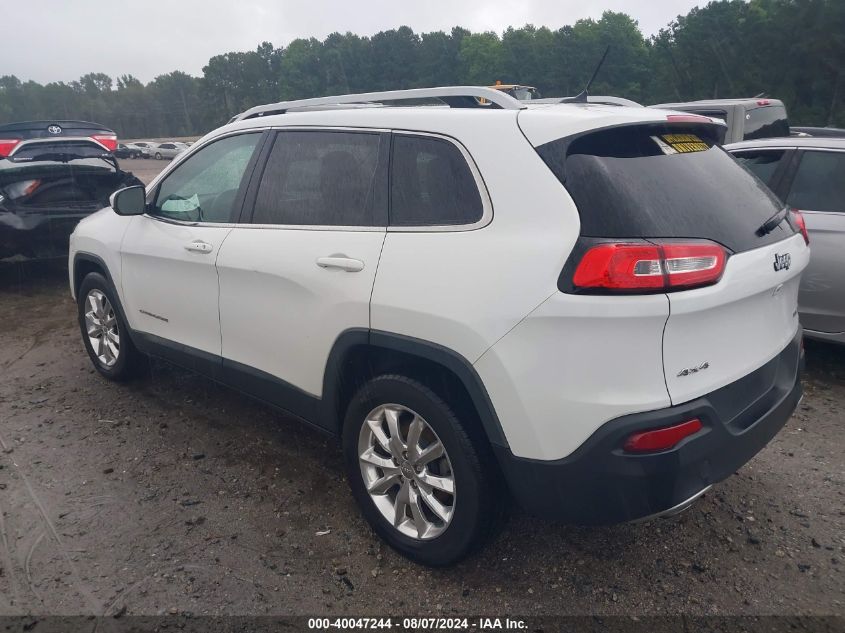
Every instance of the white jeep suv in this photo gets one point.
(589, 308)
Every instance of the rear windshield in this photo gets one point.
(657, 181)
(765, 122)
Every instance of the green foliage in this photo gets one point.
(789, 49)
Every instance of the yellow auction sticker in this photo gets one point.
(681, 143)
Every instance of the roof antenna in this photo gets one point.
(581, 97)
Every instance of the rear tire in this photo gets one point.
(104, 331)
(158, 156)
(392, 427)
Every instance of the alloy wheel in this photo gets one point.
(406, 471)
(102, 328)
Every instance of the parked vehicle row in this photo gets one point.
(148, 149)
(605, 353)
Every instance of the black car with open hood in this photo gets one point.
(52, 174)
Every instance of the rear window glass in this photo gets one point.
(656, 181)
(765, 122)
(819, 183)
(431, 184)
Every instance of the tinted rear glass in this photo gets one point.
(659, 182)
(765, 122)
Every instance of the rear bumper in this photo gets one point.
(600, 483)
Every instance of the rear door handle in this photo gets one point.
(341, 262)
(198, 246)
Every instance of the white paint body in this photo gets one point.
(556, 366)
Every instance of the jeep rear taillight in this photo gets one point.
(628, 267)
(798, 217)
(7, 145)
(109, 141)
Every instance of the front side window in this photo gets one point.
(204, 187)
(321, 178)
(762, 164)
(431, 184)
(819, 183)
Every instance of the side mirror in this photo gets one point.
(129, 201)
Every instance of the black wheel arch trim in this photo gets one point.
(81, 256)
(414, 347)
(323, 412)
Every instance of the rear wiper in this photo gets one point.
(772, 223)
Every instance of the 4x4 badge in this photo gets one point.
(782, 262)
(693, 370)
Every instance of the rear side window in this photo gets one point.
(819, 183)
(762, 164)
(431, 184)
(765, 122)
(657, 181)
(321, 178)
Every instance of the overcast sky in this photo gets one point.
(60, 40)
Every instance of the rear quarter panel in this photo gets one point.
(465, 289)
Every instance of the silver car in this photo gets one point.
(808, 174)
(168, 150)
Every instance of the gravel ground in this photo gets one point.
(174, 495)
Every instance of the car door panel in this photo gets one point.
(816, 187)
(301, 272)
(169, 278)
(822, 296)
(280, 310)
(170, 286)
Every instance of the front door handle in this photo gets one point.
(341, 262)
(198, 246)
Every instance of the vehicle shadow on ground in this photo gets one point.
(825, 361)
(32, 278)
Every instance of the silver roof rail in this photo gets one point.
(453, 96)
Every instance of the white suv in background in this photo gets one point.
(590, 307)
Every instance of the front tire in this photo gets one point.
(158, 156)
(419, 479)
(104, 332)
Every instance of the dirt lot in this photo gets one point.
(173, 495)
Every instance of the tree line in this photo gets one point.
(788, 49)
